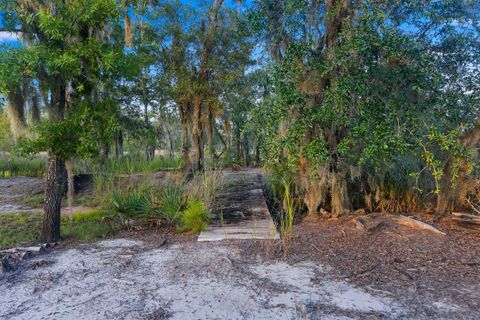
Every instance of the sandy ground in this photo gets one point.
(123, 279)
(13, 190)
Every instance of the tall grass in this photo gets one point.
(135, 164)
(287, 217)
(11, 166)
(206, 185)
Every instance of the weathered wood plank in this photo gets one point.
(241, 211)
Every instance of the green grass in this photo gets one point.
(86, 226)
(11, 166)
(20, 166)
(26, 227)
(18, 228)
(136, 164)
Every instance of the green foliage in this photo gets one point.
(132, 203)
(131, 164)
(6, 137)
(195, 217)
(168, 204)
(18, 228)
(11, 166)
(25, 227)
(171, 203)
(87, 226)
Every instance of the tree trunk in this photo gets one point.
(70, 185)
(339, 191)
(35, 106)
(197, 158)
(257, 153)
(185, 143)
(169, 142)
(238, 143)
(445, 197)
(119, 144)
(55, 174)
(246, 150)
(210, 126)
(104, 152)
(53, 196)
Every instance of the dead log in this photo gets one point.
(38, 249)
(471, 217)
(416, 224)
(466, 219)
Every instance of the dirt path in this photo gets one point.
(128, 279)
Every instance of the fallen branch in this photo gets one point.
(413, 223)
(465, 219)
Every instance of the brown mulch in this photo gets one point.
(395, 260)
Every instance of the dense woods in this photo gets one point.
(349, 105)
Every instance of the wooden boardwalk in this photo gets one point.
(240, 211)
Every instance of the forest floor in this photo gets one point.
(333, 271)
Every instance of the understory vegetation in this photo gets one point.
(349, 105)
(16, 229)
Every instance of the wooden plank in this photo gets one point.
(241, 211)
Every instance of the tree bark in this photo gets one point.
(53, 196)
(55, 174)
(257, 153)
(35, 106)
(184, 115)
(119, 145)
(169, 141)
(210, 126)
(70, 184)
(246, 150)
(197, 157)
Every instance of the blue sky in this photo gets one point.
(11, 38)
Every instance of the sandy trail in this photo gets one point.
(123, 279)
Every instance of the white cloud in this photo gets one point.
(6, 36)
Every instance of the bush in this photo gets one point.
(171, 203)
(20, 166)
(195, 217)
(132, 203)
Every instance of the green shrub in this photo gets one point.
(195, 217)
(171, 203)
(11, 166)
(132, 203)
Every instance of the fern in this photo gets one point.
(195, 217)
